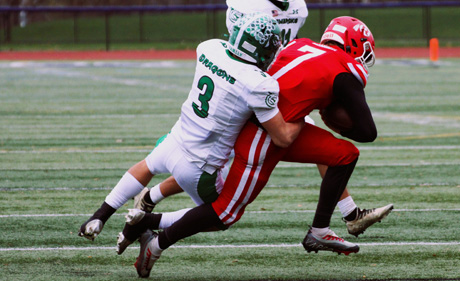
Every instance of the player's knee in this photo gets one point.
(348, 153)
(226, 217)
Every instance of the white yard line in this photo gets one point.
(75, 151)
(91, 116)
(421, 163)
(83, 150)
(173, 64)
(371, 244)
(247, 212)
(63, 188)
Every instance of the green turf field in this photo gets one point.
(69, 130)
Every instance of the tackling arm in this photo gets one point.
(281, 132)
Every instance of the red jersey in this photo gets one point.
(305, 71)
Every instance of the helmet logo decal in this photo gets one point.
(234, 15)
(339, 28)
(249, 47)
(261, 29)
(362, 28)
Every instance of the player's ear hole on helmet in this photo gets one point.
(334, 43)
(354, 43)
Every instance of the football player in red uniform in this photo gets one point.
(311, 76)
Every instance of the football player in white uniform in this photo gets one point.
(229, 86)
(291, 16)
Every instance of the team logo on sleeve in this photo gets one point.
(271, 100)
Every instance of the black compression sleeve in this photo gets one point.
(332, 187)
(350, 93)
(196, 220)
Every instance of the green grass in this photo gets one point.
(69, 133)
(400, 27)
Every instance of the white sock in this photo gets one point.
(156, 248)
(155, 194)
(320, 232)
(126, 188)
(167, 219)
(346, 206)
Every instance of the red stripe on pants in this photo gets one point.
(250, 171)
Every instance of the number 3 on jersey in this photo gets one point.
(203, 109)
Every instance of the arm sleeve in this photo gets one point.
(350, 93)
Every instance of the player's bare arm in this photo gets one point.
(281, 132)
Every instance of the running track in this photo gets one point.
(382, 53)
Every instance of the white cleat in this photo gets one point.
(122, 243)
(139, 202)
(330, 242)
(134, 216)
(91, 229)
(366, 218)
(149, 254)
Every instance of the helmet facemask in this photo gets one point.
(367, 59)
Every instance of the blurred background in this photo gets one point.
(181, 24)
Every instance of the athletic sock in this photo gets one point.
(196, 220)
(155, 194)
(346, 206)
(332, 187)
(170, 218)
(126, 188)
(149, 221)
(353, 215)
(320, 232)
(147, 198)
(103, 213)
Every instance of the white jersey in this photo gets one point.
(225, 93)
(289, 20)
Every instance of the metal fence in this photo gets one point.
(393, 23)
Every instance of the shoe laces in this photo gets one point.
(331, 236)
(364, 212)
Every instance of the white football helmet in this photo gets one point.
(255, 38)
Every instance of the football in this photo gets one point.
(336, 118)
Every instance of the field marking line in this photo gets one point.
(161, 64)
(75, 73)
(280, 166)
(247, 212)
(90, 116)
(140, 149)
(15, 189)
(421, 137)
(370, 244)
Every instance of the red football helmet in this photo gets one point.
(355, 37)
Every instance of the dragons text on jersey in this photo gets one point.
(216, 69)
